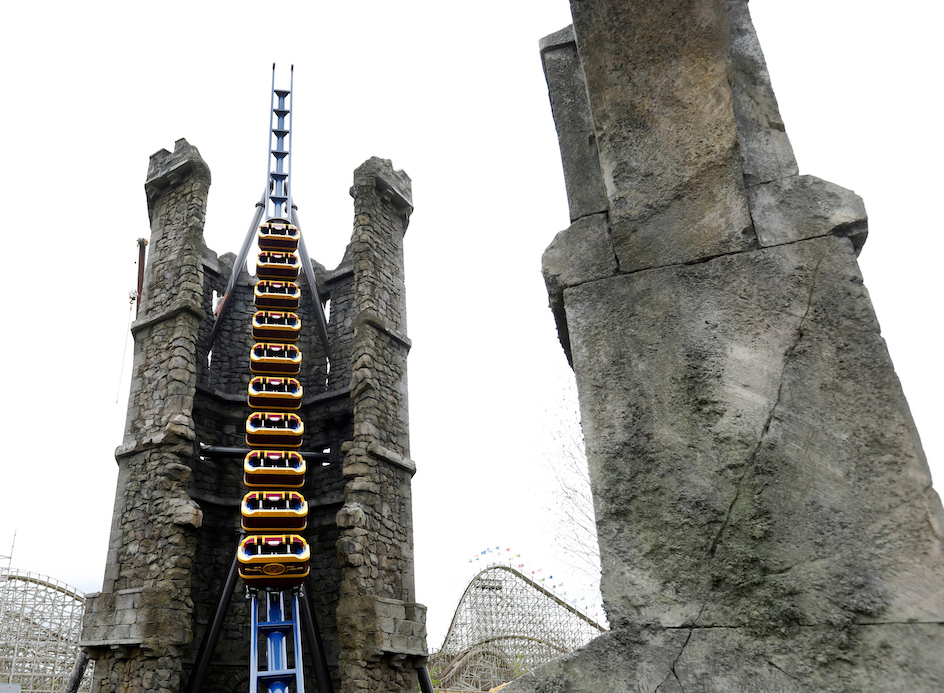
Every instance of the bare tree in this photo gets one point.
(575, 523)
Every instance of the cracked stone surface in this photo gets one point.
(751, 448)
(765, 512)
(896, 658)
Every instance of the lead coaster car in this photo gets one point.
(273, 560)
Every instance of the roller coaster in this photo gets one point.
(40, 620)
(272, 558)
(505, 625)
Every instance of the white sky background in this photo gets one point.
(454, 95)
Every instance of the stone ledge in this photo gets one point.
(182, 305)
(110, 644)
(342, 271)
(211, 260)
(394, 186)
(221, 396)
(385, 454)
(581, 253)
(326, 501)
(215, 499)
(400, 199)
(138, 617)
(801, 207)
(177, 431)
(340, 393)
(385, 627)
(559, 38)
(379, 323)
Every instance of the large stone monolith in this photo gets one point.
(764, 508)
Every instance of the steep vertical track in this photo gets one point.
(273, 557)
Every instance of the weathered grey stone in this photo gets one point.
(796, 207)
(568, 94)
(766, 151)
(170, 169)
(658, 81)
(561, 37)
(581, 253)
(764, 508)
(898, 658)
(724, 424)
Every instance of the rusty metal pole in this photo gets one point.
(142, 244)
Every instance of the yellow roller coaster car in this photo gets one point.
(267, 358)
(278, 326)
(272, 295)
(273, 560)
(274, 429)
(275, 234)
(274, 469)
(274, 511)
(266, 392)
(277, 266)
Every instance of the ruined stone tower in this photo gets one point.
(174, 531)
(764, 508)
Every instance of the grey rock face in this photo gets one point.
(730, 484)
(765, 147)
(797, 207)
(578, 144)
(581, 253)
(764, 509)
(658, 79)
(897, 658)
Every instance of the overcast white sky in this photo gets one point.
(454, 94)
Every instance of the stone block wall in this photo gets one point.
(176, 521)
(764, 509)
(382, 629)
(146, 603)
